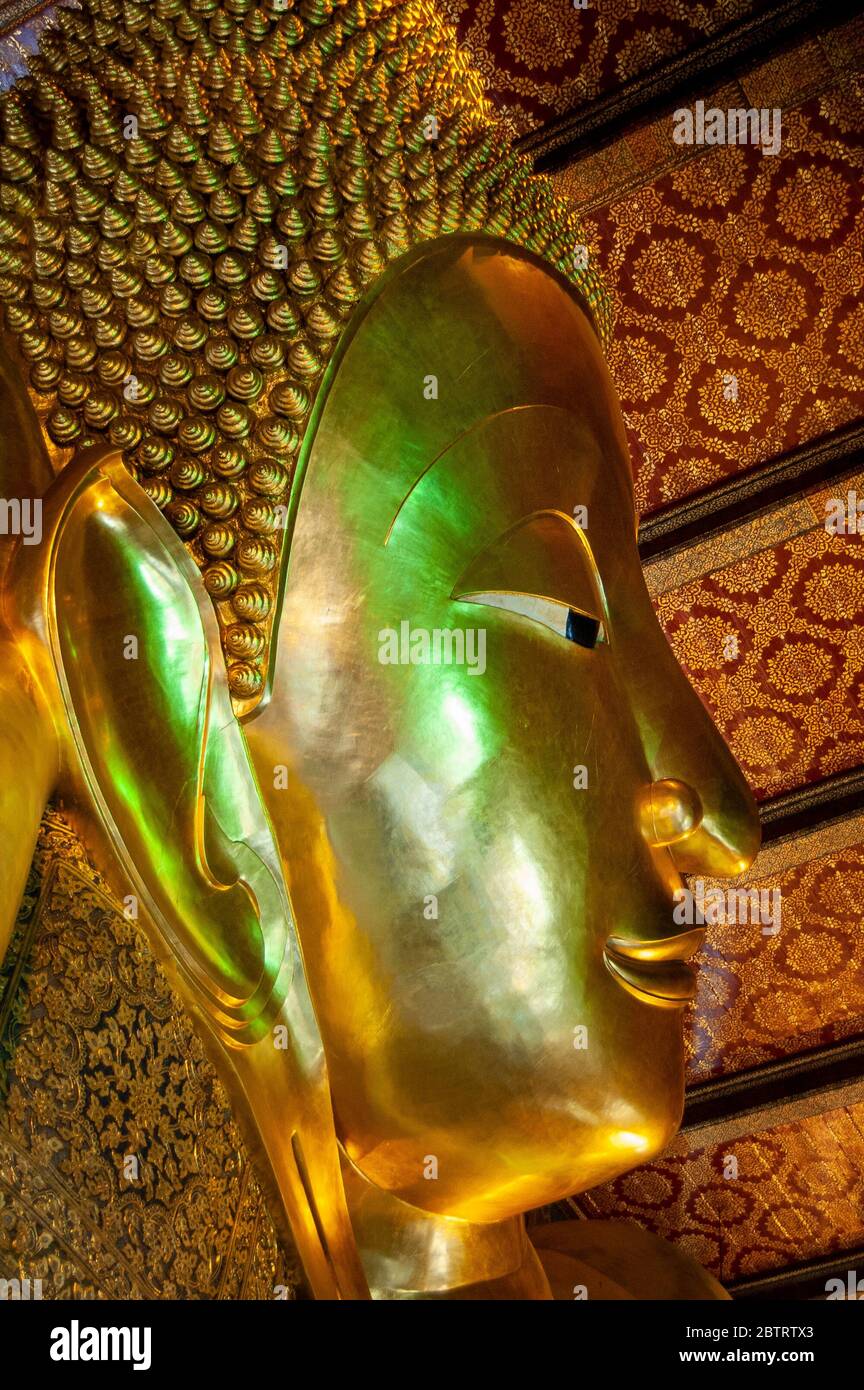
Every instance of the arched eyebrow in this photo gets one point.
(466, 433)
(544, 555)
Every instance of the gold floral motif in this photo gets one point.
(122, 1174)
(544, 57)
(774, 644)
(761, 995)
(813, 203)
(771, 305)
(733, 401)
(541, 34)
(748, 270)
(796, 1196)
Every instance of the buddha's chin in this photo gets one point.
(505, 1177)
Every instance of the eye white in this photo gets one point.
(548, 611)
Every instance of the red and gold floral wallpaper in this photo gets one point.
(735, 277)
(774, 644)
(541, 58)
(792, 1193)
(736, 281)
(764, 996)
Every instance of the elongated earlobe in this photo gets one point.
(29, 753)
(154, 744)
(125, 642)
(29, 758)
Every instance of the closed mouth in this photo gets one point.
(655, 972)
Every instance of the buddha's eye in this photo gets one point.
(558, 582)
(587, 632)
(581, 628)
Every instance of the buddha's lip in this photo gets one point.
(660, 948)
(655, 972)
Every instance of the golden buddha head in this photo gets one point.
(428, 774)
(495, 772)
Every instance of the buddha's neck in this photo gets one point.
(409, 1253)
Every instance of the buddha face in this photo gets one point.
(485, 770)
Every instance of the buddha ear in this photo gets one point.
(113, 618)
(28, 747)
(29, 761)
(124, 642)
(154, 746)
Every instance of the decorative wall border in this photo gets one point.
(741, 498)
(677, 81)
(776, 1093)
(794, 812)
(802, 1281)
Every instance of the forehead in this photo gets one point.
(474, 372)
(503, 470)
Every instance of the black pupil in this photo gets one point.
(582, 629)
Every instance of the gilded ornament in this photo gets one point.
(206, 392)
(251, 602)
(245, 680)
(245, 383)
(229, 460)
(255, 555)
(218, 500)
(195, 433)
(267, 352)
(221, 352)
(159, 491)
(260, 517)
(184, 516)
(218, 540)
(234, 420)
(220, 579)
(244, 640)
(154, 454)
(109, 331)
(164, 413)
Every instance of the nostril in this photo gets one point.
(669, 811)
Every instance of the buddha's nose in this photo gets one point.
(669, 811)
(721, 841)
(698, 806)
(718, 836)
